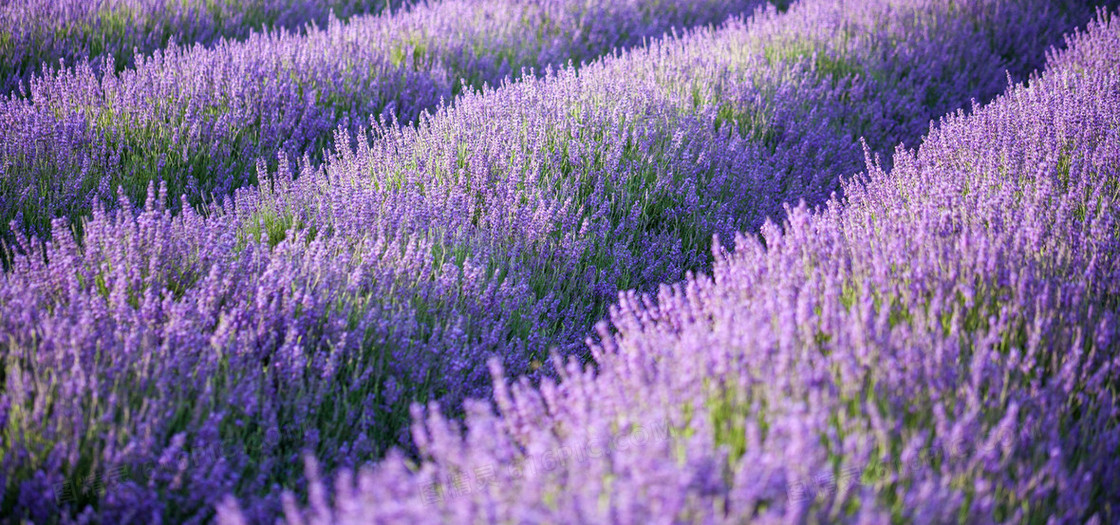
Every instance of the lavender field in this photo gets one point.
(560, 261)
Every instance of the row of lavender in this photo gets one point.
(199, 119)
(207, 351)
(38, 33)
(940, 345)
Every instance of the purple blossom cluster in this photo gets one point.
(199, 118)
(308, 314)
(41, 33)
(938, 345)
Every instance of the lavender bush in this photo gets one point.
(191, 355)
(939, 345)
(38, 33)
(199, 118)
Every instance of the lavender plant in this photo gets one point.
(38, 33)
(198, 118)
(581, 199)
(939, 345)
(202, 352)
